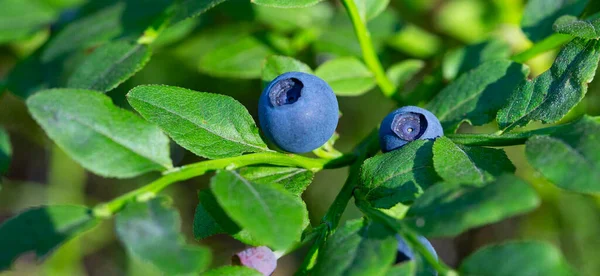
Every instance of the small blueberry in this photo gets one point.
(405, 253)
(259, 258)
(298, 112)
(407, 124)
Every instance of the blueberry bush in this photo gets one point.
(490, 147)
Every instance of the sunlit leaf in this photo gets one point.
(551, 95)
(99, 135)
(209, 125)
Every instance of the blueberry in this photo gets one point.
(407, 124)
(405, 253)
(298, 112)
(258, 258)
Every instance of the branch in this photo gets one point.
(369, 54)
(108, 209)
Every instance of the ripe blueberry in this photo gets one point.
(298, 112)
(407, 124)
(405, 253)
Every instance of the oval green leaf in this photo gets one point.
(464, 164)
(241, 58)
(41, 230)
(209, 125)
(517, 258)
(268, 212)
(103, 138)
(151, 232)
(448, 209)
(570, 158)
(19, 19)
(477, 95)
(347, 76)
(554, 93)
(295, 180)
(110, 65)
(399, 176)
(277, 65)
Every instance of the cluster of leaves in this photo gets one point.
(435, 188)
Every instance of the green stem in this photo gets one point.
(369, 54)
(368, 147)
(508, 139)
(310, 258)
(337, 208)
(552, 42)
(408, 235)
(200, 168)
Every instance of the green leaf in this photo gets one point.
(192, 50)
(150, 231)
(6, 151)
(416, 42)
(517, 258)
(408, 268)
(347, 76)
(477, 96)
(124, 19)
(277, 65)
(402, 72)
(286, 3)
(109, 66)
(338, 37)
(209, 125)
(31, 75)
(292, 19)
(570, 158)
(539, 15)
(241, 58)
(462, 60)
(464, 164)
(210, 219)
(19, 19)
(232, 270)
(571, 25)
(551, 95)
(205, 224)
(373, 8)
(193, 8)
(448, 209)
(270, 213)
(103, 138)
(357, 248)
(175, 33)
(42, 230)
(369, 9)
(399, 176)
(295, 180)
(78, 34)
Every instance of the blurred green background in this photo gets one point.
(426, 30)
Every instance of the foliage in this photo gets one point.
(74, 84)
